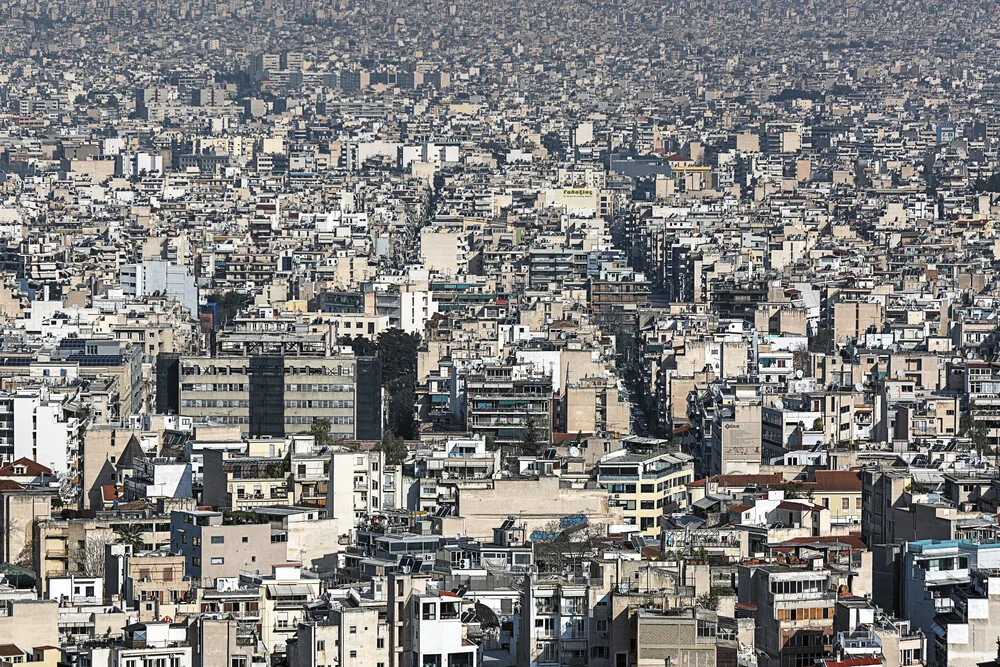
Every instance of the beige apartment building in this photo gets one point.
(852, 319)
(103, 446)
(595, 405)
(19, 510)
(212, 548)
(646, 484)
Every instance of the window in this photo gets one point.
(245, 539)
(218, 560)
(380, 643)
(845, 503)
(354, 630)
(218, 539)
(320, 645)
(354, 654)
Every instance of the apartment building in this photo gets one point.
(281, 384)
(945, 592)
(213, 548)
(501, 405)
(793, 607)
(360, 483)
(148, 643)
(595, 406)
(555, 621)
(681, 636)
(646, 482)
(353, 636)
(242, 482)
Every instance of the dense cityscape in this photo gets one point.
(454, 334)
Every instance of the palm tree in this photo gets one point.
(131, 534)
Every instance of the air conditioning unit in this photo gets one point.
(466, 564)
(539, 645)
(604, 635)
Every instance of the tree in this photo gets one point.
(228, 305)
(398, 351)
(320, 430)
(394, 448)
(795, 489)
(531, 437)
(708, 601)
(131, 534)
(822, 341)
(975, 430)
(800, 358)
(402, 397)
(89, 558)
(567, 548)
(361, 346)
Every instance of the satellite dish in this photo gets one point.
(858, 386)
(798, 375)
(574, 451)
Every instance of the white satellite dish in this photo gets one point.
(858, 386)
(574, 451)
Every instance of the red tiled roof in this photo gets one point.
(837, 480)
(739, 509)
(804, 506)
(30, 468)
(10, 485)
(10, 649)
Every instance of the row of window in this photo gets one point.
(304, 403)
(216, 560)
(807, 614)
(243, 387)
(802, 586)
(289, 370)
(219, 386)
(349, 388)
(215, 403)
(845, 503)
(309, 420)
(651, 488)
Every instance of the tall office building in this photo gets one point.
(273, 385)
